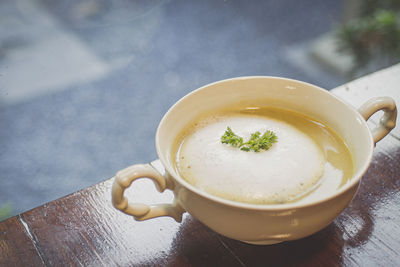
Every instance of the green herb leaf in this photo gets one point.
(231, 138)
(256, 143)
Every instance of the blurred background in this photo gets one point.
(84, 83)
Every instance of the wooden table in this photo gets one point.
(83, 229)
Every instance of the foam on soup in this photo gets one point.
(307, 160)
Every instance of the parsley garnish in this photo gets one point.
(256, 143)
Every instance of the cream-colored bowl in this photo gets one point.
(254, 223)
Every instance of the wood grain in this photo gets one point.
(17, 248)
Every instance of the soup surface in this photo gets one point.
(308, 160)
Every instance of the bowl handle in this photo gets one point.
(124, 178)
(388, 119)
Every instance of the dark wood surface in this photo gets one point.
(83, 229)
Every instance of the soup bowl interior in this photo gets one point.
(271, 92)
